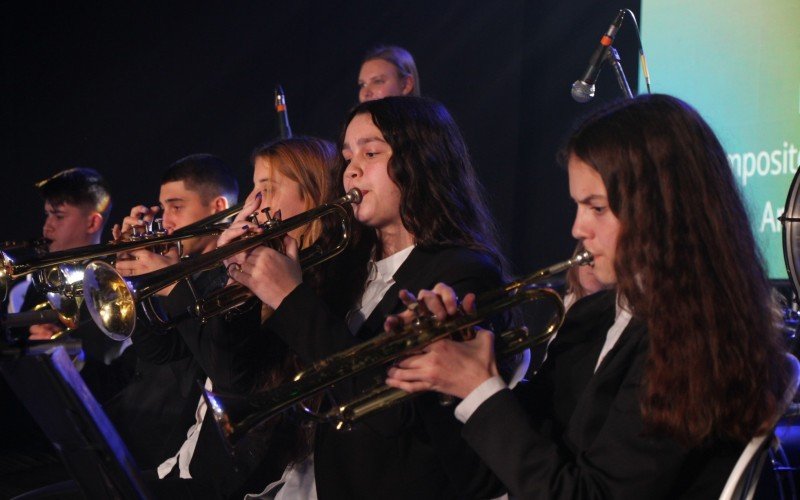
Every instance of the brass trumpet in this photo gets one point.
(62, 272)
(216, 220)
(15, 265)
(35, 243)
(32, 248)
(237, 415)
(112, 299)
(53, 310)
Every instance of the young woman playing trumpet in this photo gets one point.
(422, 220)
(235, 351)
(650, 389)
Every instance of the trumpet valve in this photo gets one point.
(253, 218)
(137, 233)
(158, 228)
(272, 219)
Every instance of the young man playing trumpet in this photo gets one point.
(193, 188)
(76, 205)
(290, 176)
(153, 413)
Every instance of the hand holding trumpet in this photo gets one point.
(139, 215)
(44, 331)
(241, 225)
(270, 274)
(448, 366)
(142, 261)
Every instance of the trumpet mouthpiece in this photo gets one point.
(354, 195)
(584, 258)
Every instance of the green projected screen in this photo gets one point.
(738, 63)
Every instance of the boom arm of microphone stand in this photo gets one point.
(612, 56)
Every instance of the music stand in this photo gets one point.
(44, 378)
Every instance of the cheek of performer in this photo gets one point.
(70, 226)
(595, 226)
(379, 78)
(367, 155)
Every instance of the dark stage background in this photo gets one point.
(129, 88)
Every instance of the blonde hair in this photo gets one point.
(309, 162)
(401, 59)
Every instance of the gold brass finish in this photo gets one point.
(112, 299)
(387, 348)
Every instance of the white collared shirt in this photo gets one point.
(184, 456)
(298, 480)
(379, 281)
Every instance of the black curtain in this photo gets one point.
(129, 88)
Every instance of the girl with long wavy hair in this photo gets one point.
(422, 220)
(650, 389)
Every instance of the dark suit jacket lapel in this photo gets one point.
(412, 275)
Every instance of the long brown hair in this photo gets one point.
(442, 201)
(310, 162)
(307, 161)
(688, 266)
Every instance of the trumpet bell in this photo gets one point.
(63, 279)
(110, 300)
(68, 308)
(228, 413)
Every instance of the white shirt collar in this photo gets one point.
(386, 268)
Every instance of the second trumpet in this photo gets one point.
(112, 299)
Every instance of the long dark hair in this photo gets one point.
(310, 162)
(441, 204)
(441, 198)
(688, 265)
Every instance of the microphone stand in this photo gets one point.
(612, 57)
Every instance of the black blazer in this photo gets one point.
(233, 352)
(574, 433)
(154, 411)
(413, 450)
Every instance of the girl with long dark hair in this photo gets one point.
(651, 389)
(422, 220)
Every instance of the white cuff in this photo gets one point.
(474, 399)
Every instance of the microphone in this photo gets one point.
(583, 89)
(284, 129)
